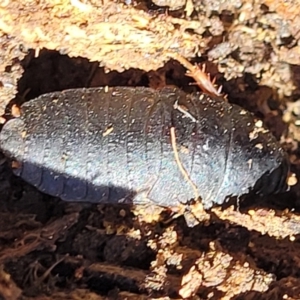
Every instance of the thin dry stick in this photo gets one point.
(184, 111)
(179, 164)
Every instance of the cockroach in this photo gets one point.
(138, 145)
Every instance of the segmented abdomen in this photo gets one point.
(113, 145)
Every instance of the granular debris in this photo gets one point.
(247, 249)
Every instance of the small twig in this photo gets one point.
(181, 168)
(49, 270)
(184, 111)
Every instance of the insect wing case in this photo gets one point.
(114, 145)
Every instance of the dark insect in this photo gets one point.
(138, 145)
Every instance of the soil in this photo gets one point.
(50, 249)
